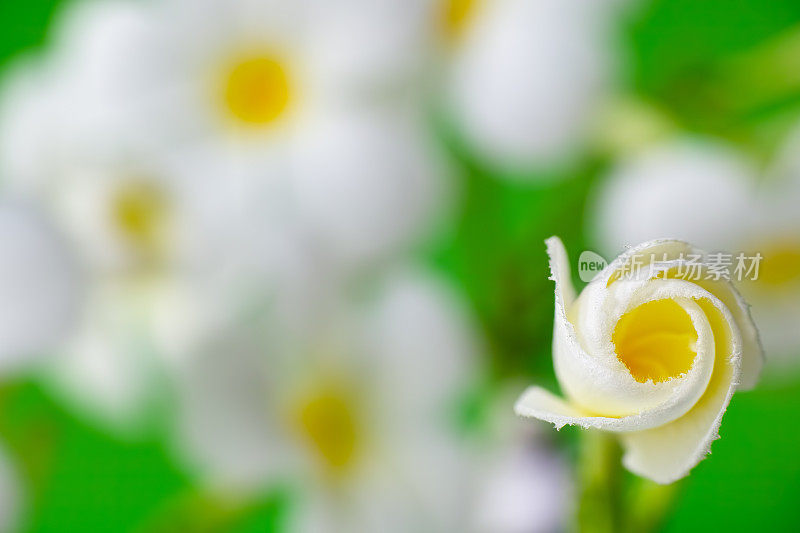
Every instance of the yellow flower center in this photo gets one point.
(139, 212)
(655, 341)
(327, 419)
(257, 90)
(780, 265)
(456, 15)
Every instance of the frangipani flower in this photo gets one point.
(328, 408)
(526, 75)
(706, 192)
(649, 352)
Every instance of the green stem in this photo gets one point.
(599, 472)
(610, 502)
(648, 505)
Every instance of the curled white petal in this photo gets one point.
(667, 425)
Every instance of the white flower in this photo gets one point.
(692, 189)
(39, 285)
(527, 75)
(706, 192)
(354, 408)
(39, 296)
(650, 353)
(126, 216)
(523, 485)
(177, 143)
(296, 101)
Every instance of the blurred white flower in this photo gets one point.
(356, 406)
(523, 485)
(39, 286)
(773, 230)
(691, 189)
(527, 75)
(182, 145)
(708, 193)
(297, 103)
(40, 293)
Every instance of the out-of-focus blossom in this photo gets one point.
(283, 99)
(523, 485)
(39, 285)
(178, 143)
(650, 351)
(129, 223)
(774, 232)
(39, 296)
(691, 189)
(357, 408)
(527, 75)
(707, 193)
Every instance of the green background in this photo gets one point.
(691, 59)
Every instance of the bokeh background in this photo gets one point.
(279, 265)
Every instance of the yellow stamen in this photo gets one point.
(139, 213)
(656, 341)
(456, 15)
(327, 419)
(781, 264)
(257, 90)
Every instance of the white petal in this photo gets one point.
(100, 67)
(586, 362)
(39, 285)
(366, 182)
(688, 189)
(527, 77)
(225, 431)
(667, 427)
(527, 490)
(107, 368)
(366, 46)
(777, 309)
(420, 337)
(667, 453)
(27, 131)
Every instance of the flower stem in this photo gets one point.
(610, 502)
(599, 472)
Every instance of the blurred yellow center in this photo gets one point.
(327, 419)
(656, 341)
(456, 16)
(257, 90)
(139, 211)
(781, 264)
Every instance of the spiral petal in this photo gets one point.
(651, 349)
